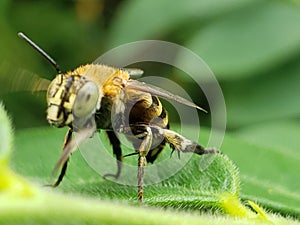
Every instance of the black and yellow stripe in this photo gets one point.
(156, 115)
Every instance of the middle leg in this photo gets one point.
(143, 151)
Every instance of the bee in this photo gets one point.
(98, 97)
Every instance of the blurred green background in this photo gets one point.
(252, 46)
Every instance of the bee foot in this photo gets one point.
(211, 151)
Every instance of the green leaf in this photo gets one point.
(190, 188)
(11, 185)
(282, 136)
(270, 97)
(268, 166)
(198, 185)
(249, 41)
(62, 209)
(139, 20)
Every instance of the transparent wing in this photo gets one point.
(12, 80)
(134, 73)
(81, 136)
(157, 91)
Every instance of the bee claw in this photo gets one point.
(178, 153)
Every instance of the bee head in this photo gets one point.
(72, 101)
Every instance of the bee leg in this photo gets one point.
(182, 144)
(115, 142)
(143, 151)
(61, 175)
(67, 140)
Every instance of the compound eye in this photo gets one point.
(86, 100)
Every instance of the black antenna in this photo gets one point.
(41, 51)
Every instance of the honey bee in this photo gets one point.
(97, 97)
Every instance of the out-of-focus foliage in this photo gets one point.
(253, 47)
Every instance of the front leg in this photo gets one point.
(143, 151)
(67, 140)
(69, 146)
